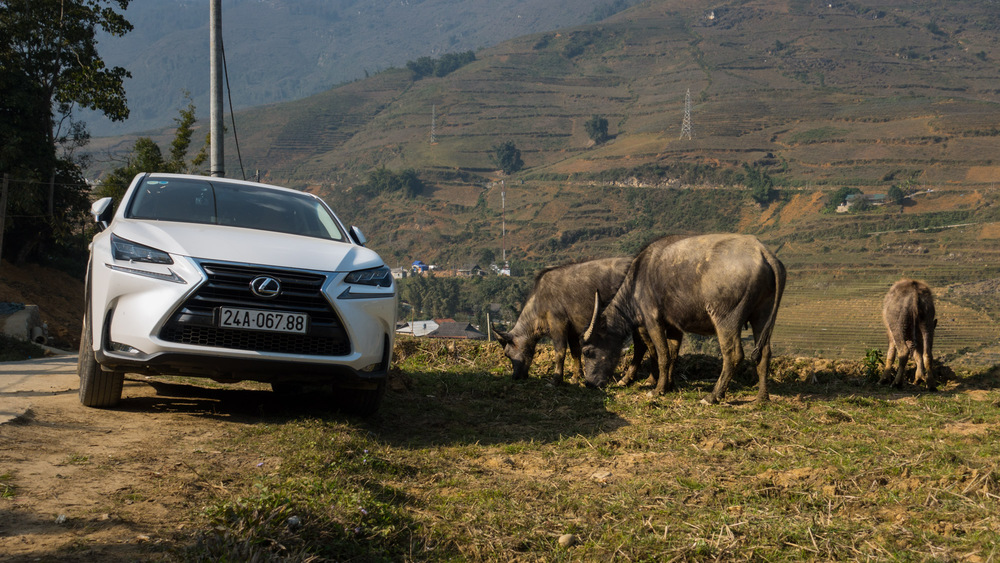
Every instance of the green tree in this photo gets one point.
(49, 65)
(507, 157)
(144, 157)
(759, 183)
(838, 197)
(424, 66)
(597, 129)
(182, 137)
(385, 181)
(411, 184)
(895, 195)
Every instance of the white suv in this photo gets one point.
(232, 280)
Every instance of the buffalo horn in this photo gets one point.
(593, 320)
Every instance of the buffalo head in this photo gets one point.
(601, 349)
(520, 350)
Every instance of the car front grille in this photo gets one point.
(228, 285)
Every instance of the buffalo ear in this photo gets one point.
(502, 337)
(593, 320)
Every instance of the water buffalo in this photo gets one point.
(908, 314)
(709, 284)
(560, 305)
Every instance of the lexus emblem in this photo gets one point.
(266, 287)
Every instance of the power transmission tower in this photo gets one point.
(434, 124)
(686, 124)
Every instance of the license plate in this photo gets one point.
(270, 321)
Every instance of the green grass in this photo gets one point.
(7, 488)
(464, 464)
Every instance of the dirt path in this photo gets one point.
(79, 484)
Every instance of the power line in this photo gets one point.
(232, 115)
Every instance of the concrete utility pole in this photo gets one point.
(503, 220)
(218, 165)
(3, 208)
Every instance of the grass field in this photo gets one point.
(463, 464)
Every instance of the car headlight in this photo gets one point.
(126, 250)
(123, 249)
(380, 277)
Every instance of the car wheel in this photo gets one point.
(98, 388)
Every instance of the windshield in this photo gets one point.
(236, 205)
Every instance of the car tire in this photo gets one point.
(98, 388)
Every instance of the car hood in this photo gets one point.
(234, 244)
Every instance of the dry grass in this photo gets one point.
(464, 464)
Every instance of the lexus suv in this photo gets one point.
(231, 280)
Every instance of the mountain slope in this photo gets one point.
(840, 92)
(817, 94)
(287, 49)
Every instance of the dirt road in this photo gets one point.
(81, 484)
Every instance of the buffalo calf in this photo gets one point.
(908, 314)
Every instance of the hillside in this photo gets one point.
(818, 95)
(283, 50)
(834, 93)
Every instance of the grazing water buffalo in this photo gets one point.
(710, 284)
(908, 314)
(560, 306)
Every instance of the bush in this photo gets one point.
(507, 157)
(597, 129)
(760, 184)
(384, 181)
(895, 195)
(448, 63)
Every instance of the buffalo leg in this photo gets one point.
(918, 358)
(575, 353)
(890, 358)
(665, 358)
(762, 369)
(674, 339)
(559, 344)
(904, 350)
(764, 366)
(732, 355)
(928, 356)
(640, 346)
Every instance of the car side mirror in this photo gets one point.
(102, 210)
(357, 235)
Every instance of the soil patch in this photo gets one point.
(59, 297)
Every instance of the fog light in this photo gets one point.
(125, 348)
(371, 368)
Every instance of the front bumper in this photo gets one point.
(166, 324)
(267, 370)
